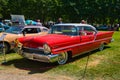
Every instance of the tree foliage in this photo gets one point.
(95, 11)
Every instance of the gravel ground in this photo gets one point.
(19, 71)
(17, 74)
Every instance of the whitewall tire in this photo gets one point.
(63, 58)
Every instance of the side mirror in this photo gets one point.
(23, 32)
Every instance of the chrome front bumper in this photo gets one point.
(38, 56)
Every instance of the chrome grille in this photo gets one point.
(33, 50)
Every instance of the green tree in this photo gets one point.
(95, 11)
(4, 10)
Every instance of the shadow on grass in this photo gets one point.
(30, 65)
(40, 67)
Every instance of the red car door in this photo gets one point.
(87, 40)
(86, 43)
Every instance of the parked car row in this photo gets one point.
(63, 42)
(108, 28)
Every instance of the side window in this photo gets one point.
(70, 30)
(34, 30)
(56, 29)
(38, 30)
(89, 30)
(31, 30)
(45, 30)
(86, 28)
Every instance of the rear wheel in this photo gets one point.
(101, 47)
(63, 58)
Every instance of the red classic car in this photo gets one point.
(64, 42)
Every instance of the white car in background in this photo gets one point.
(17, 31)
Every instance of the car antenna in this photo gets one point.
(86, 66)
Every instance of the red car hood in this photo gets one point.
(50, 39)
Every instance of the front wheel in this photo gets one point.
(63, 58)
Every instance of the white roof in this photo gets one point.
(76, 24)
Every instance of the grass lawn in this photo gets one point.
(102, 65)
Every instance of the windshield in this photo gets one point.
(14, 30)
(64, 29)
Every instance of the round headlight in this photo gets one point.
(46, 48)
(17, 43)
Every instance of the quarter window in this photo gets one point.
(88, 30)
(45, 30)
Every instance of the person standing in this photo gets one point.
(59, 21)
(83, 22)
(39, 23)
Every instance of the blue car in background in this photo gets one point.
(3, 27)
(102, 27)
